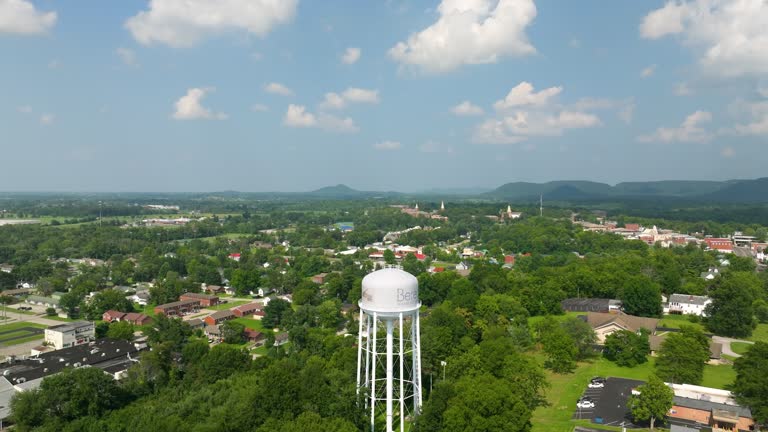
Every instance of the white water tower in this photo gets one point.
(388, 352)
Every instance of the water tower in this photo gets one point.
(388, 353)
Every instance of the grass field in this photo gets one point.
(17, 333)
(564, 390)
(228, 305)
(58, 318)
(677, 321)
(740, 347)
(760, 334)
(251, 323)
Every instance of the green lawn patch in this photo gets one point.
(228, 305)
(760, 334)
(18, 325)
(24, 340)
(677, 321)
(720, 376)
(10, 311)
(58, 318)
(251, 324)
(740, 347)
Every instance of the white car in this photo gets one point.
(596, 384)
(585, 404)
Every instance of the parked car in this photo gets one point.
(596, 382)
(585, 403)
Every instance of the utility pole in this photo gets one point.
(541, 205)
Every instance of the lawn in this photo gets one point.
(228, 305)
(740, 347)
(18, 325)
(9, 311)
(251, 323)
(760, 334)
(24, 340)
(677, 321)
(58, 318)
(536, 319)
(16, 330)
(720, 376)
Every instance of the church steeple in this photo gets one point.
(417, 206)
(442, 205)
(509, 209)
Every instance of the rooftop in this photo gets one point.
(70, 326)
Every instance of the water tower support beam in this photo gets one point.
(373, 374)
(390, 378)
(402, 378)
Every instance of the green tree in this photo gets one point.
(731, 311)
(120, 330)
(682, 357)
(389, 257)
(105, 300)
(582, 335)
(761, 310)
(276, 313)
(232, 332)
(626, 348)
(558, 345)
(641, 297)
(653, 402)
(751, 385)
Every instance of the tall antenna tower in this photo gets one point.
(541, 205)
(388, 348)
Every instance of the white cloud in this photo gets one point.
(523, 94)
(259, 107)
(387, 145)
(183, 23)
(351, 55)
(21, 17)
(189, 106)
(689, 131)
(349, 96)
(627, 112)
(277, 88)
(467, 108)
(47, 119)
(727, 152)
(648, 71)
(758, 124)
(682, 89)
(729, 36)
(523, 114)
(469, 32)
(25, 109)
(127, 56)
(297, 116)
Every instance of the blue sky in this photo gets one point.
(292, 95)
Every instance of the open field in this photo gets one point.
(251, 323)
(760, 334)
(228, 305)
(740, 347)
(677, 321)
(20, 332)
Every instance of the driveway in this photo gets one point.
(726, 342)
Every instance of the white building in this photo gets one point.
(70, 334)
(688, 304)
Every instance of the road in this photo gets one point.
(726, 342)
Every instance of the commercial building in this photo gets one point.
(205, 300)
(70, 334)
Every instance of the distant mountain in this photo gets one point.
(338, 191)
(741, 191)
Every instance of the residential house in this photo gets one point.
(591, 305)
(141, 298)
(235, 256)
(685, 304)
(205, 300)
(196, 323)
(247, 309)
(137, 319)
(710, 274)
(319, 278)
(281, 339)
(18, 292)
(607, 323)
(463, 266)
(213, 332)
(213, 289)
(42, 301)
(178, 308)
(6, 268)
(112, 315)
(219, 317)
(254, 336)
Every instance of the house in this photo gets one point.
(205, 300)
(710, 274)
(213, 333)
(632, 227)
(178, 308)
(719, 244)
(591, 305)
(18, 292)
(42, 301)
(607, 323)
(258, 315)
(247, 309)
(70, 334)
(509, 259)
(219, 317)
(281, 339)
(463, 266)
(141, 298)
(6, 268)
(319, 278)
(213, 289)
(137, 319)
(420, 256)
(685, 304)
(348, 308)
(263, 292)
(196, 323)
(235, 256)
(112, 315)
(254, 336)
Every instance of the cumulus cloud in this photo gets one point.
(690, 130)
(682, 89)
(277, 88)
(466, 109)
(730, 37)
(758, 124)
(523, 94)
(350, 96)
(469, 32)
(524, 113)
(127, 56)
(648, 71)
(21, 17)
(351, 55)
(183, 23)
(189, 106)
(297, 116)
(387, 145)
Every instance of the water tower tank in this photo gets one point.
(390, 290)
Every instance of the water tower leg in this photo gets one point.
(402, 378)
(373, 372)
(359, 350)
(390, 377)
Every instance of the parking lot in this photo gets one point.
(610, 403)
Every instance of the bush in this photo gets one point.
(50, 311)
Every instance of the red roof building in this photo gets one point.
(420, 257)
(137, 319)
(204, 299)
(247, 309)
(509, 259)
(632, 227)
(219, 317)
(112, 315)
(720, 244)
